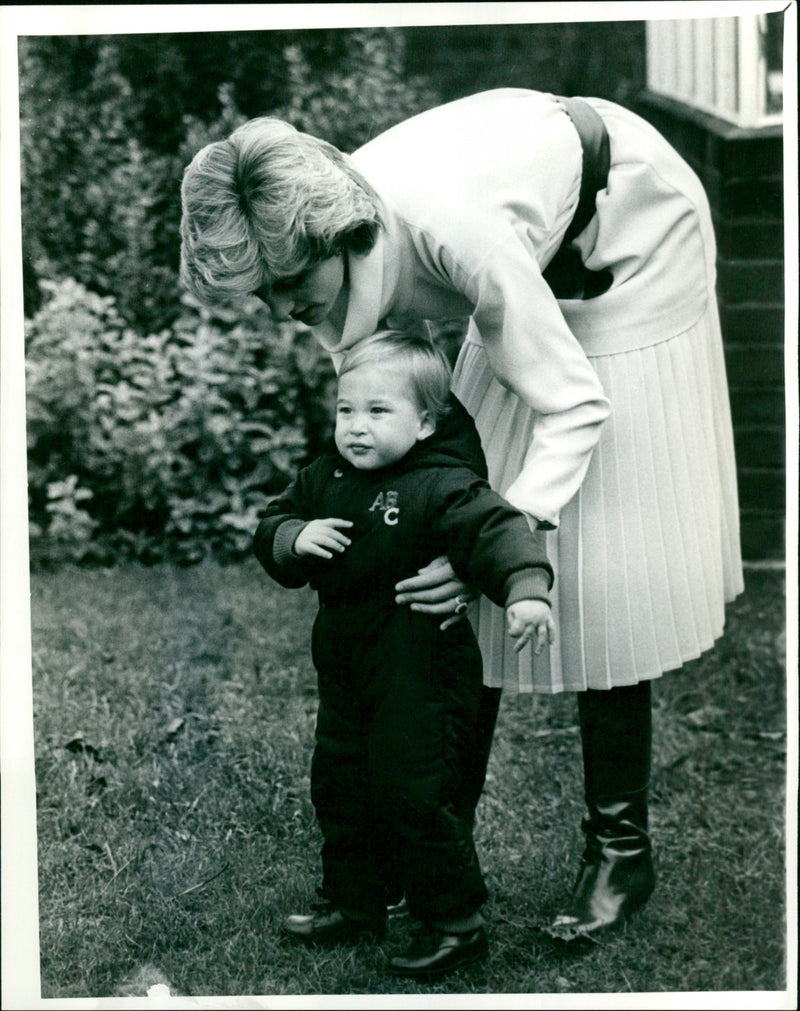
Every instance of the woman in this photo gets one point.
(581, 247)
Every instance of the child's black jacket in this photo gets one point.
(430, 503)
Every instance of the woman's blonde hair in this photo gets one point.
(266, 203)
(417, 356)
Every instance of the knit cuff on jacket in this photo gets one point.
(283, 542)
(529, 584)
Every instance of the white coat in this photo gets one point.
(476, 196)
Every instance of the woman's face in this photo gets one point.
(308, 296)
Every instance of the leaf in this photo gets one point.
(706, 718)
(78, 746)
(771, 735)
(175, 727)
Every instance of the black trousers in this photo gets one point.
(393, 772)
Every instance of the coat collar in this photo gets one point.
(373, 280)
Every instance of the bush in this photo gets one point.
(351, 106)
(164, 446)
(100, 183)
(158, 429)
(96, 204)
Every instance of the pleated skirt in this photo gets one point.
(647, 552)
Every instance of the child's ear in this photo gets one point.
(427, 426)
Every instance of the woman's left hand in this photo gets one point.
(436, 589)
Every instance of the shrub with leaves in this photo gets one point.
(164, 446)
(97, 205)
(104, 142)
(369, 93)
(157, 429)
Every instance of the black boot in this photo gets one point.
(616, 876)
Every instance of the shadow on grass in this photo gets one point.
(174, 718)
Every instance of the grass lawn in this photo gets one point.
(174, 720)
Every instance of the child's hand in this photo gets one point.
(321, 537)
(530, 621)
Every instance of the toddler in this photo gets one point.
(398, 695)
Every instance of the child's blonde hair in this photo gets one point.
(268, 202)
(419, 358)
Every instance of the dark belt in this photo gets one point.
(566, 274)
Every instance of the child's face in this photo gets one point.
(378, 418)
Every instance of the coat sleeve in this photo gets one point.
(274, 538)
(534, 354)
(488, 542)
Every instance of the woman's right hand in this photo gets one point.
(436, 589)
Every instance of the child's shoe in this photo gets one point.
(332, 926)
(397, 909)
(435, 952)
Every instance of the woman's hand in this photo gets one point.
(436, 589)
(321, 537)
(531, 621)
